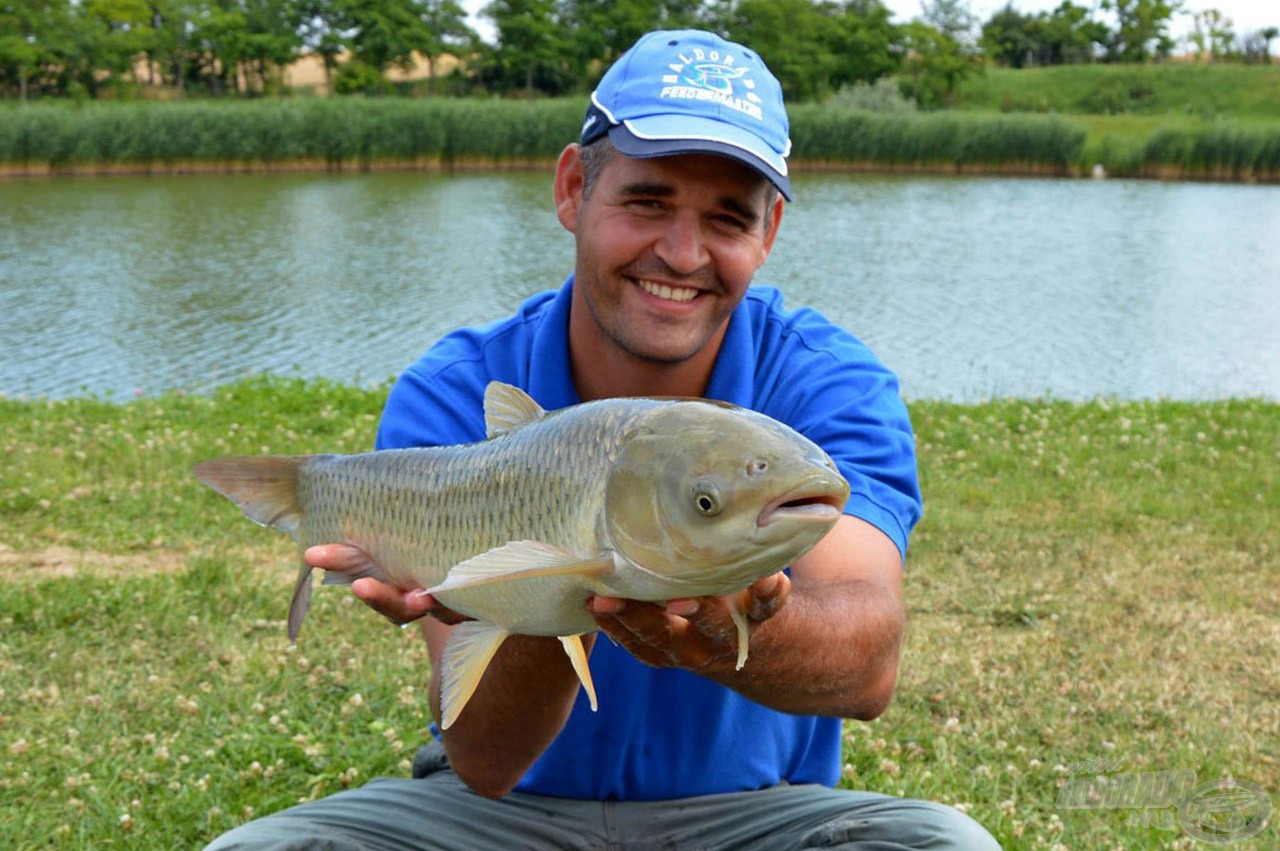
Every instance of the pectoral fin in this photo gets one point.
(300, 604)
(521, 560)
(578, 657)
(739, 620)
(466, 656)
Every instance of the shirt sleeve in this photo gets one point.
(832, 389)
(439, 401)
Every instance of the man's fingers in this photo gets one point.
(391, 602)
(339, 557)
(767, 596)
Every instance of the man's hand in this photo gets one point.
(398, 605)
(694, 633)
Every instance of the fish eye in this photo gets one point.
(706, 498)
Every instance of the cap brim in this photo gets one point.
(660, 136)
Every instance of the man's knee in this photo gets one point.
(902, 823)
(281, 832)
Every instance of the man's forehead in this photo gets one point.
(675, 172)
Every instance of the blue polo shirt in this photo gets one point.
(662, 733)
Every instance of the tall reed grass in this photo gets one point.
(360, 133)
(335, 132)
(1220, 151)
(837, 136)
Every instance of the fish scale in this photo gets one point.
(418, 514)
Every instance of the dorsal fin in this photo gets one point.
(508, 408)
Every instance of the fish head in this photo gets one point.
(711, 497)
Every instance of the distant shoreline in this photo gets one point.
(14, 171)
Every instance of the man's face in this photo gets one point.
(666, 248)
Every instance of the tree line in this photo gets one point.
(97, 48)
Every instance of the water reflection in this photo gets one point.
(967, 287)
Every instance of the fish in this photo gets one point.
(639, 498)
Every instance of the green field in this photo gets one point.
(1092, 581)
(1205, 92)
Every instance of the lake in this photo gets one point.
(968, 287)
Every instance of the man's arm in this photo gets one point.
(521, 704)
(831, 650)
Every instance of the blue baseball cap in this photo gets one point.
(689, 91)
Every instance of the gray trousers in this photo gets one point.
(435, 810)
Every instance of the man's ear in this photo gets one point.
(568, 187)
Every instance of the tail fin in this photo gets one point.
(266, 489)
(264, 486)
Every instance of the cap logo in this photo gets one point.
(710, 75)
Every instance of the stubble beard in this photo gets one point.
(630, 340)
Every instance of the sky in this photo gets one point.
(1245, 15)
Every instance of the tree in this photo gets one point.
(114, 31)
(1211, 34)
(1069, 35)
(1013, 39)
(867, 44)
(935, 65)
(794, 38)
(951, 17)
(323, 26)
(1143, 30)
(1065, 35)
(27, 29)
(446, 32)
(386, 32)
(531, 41)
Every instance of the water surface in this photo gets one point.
(968, 288)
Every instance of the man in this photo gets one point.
(674, 195)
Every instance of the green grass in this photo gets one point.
(1178, 89)
(1091, 581)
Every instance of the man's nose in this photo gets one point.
(682, 247)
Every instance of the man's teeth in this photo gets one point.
(669, 293)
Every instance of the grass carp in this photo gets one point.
(644, 499)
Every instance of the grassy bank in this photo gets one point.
(1092, 581)
(392, 133)
(1172, 89)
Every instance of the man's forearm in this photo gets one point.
(518, 709)
(832, 650)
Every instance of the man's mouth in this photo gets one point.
(666, 292)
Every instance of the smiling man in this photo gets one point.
(674, 195)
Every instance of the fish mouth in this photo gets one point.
(813, 501)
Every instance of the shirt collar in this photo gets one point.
(551, 375)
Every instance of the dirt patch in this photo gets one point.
(57, 561)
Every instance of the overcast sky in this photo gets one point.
(1246, 15)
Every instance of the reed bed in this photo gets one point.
(333, 132)
(340, 133)
(835, 137)
(350, 132)
(1221, 152)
